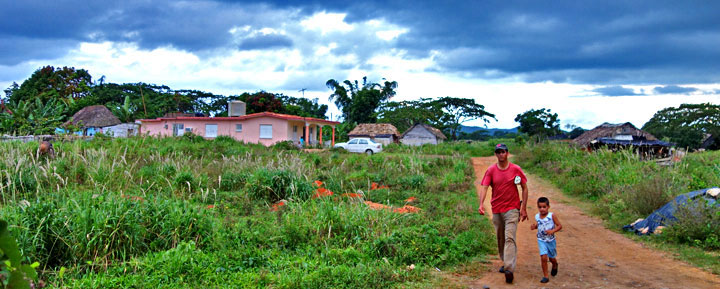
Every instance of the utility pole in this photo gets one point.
(303, 91)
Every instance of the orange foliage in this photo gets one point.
(411, 199)
(376, 206)
(406, 209)
(210, 206)
(322, 192)
(375, 186)
(277, 206)
(318, 183)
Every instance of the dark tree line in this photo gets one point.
(50, 96)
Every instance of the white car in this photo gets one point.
(360, 145)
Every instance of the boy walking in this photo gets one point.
(547, 225)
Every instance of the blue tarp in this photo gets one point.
(666, 214)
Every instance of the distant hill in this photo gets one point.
(491, 131)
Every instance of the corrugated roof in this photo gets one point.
(374, 129)
(609, 130)
(243, 117)
(439, 134)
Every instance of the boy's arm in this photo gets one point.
(558, 226)
(481, 197)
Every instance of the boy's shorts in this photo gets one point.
(547, 248)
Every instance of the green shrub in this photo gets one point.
(230, 181)
(698, 224)
(285, 146)
(275, 185)
(185, 182)
(59, 231)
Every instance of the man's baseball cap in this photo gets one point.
(501, 146)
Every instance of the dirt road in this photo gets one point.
(589, 255)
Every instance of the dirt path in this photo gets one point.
(589, 255)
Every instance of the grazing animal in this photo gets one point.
(46, 149)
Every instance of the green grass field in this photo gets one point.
(188, 212)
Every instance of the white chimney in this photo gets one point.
(236, 108)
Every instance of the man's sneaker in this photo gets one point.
(508, 276)
(553, 271)
(544, 280)
(502, 269)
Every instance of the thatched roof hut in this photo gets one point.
(381, 132)
(624, 131)
(93, 116)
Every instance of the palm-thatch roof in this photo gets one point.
(438, 134)
(374, 130)
(609, 130)
(93, 116)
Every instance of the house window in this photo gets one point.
(178, 129)
(238, 127)
(266, 131)
(211, 130)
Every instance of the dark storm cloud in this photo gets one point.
(674, 89)
(615, 91)
(607, 42)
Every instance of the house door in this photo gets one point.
(211, 130)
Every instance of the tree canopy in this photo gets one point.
(358, 103)
(539, 123)
(686, 125)
(446, 114)
(51, 95)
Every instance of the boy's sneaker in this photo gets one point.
(508, 276)
(502, 269)
(544, 280)
(553, 272)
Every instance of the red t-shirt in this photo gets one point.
(505, 195)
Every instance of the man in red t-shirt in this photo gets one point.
(507, 208)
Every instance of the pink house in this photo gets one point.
(265, 127)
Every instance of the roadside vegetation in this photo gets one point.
(189, 212)
(622, 188)
(469, 149)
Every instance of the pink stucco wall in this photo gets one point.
(250, 128)
(282, 128)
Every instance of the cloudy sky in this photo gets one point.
(589, 61)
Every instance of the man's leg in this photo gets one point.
(499, 224)
(510, 219)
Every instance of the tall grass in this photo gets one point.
(187, 212)
(623, 187)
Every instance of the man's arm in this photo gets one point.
(523, 205)
(481, 197)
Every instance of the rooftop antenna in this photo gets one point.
(303, 91)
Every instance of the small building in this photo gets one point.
(623, 136)
(122, 130)
(91, 120)
(709, 142)
(266, 128)
(421, 134)
(383, 133)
